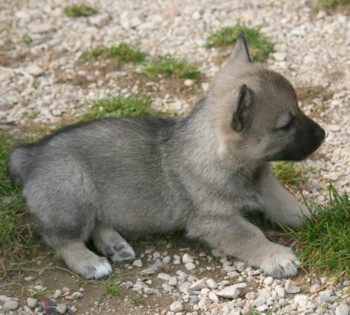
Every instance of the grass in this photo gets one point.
(112, 287)
(79, 10)
(169, 66)
(259, 45)
(288, 173)
(136, 299)
(323, 241)
(15, 234)
(330, 4)
(124, 53)
(121, 105)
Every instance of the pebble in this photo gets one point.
(31, 302)
(10, 305)
(342, 309)
(137, 263)
(176, 307)
(268, 281)
(233, 291)
(186, 258)
(190, 266)
(204, 303)
(290, 287)
(61, 308)
(198, 285)
(34, 70)
(211, 283)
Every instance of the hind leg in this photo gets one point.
(109, 243)
(82, 261)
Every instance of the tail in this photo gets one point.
(18, 164)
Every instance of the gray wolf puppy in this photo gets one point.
(113, 178)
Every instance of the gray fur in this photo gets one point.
(132, 176)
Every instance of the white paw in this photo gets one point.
(123, 253)
(97, 269)
(279, 261)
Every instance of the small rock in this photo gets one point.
(77, 295)
(301, 299)
(211, 284)
(176, 307)
(39, 28)
(190, 266)
(213, 297)
(315, 288)
(326, 297)
(163, 276)
(241, 266)
(260, 300)
(232, 291)
(279, 56)
(61, 308)
(342, 309)
(280, 291)
(57, 294)
(204, 303)
(32, 302)
(166, 260)
(10, 305)
(148, 290)
(186, 258)
(137, 263)
(268, 281)
(262, 308)
(30, 278)
(189, 82)
(290, 287)
(34, 70)
(216, 252)
(233, 274)
(99, 20)
(198, 285)
(172, 281)
(250, 295)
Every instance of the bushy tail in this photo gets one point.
(18, 164)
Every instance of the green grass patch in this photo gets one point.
(15, 233)
(259, 45)
(79, 10)
(169, 66)
(112, 286)
(330, 4)
(288, 173)
(120, 106)
(123, 53)
(323, 240)
(136, 299)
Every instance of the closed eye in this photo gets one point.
(285, 121)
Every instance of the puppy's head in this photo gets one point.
(256, 112)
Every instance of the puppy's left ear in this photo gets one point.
(240, 115)
(241, 52)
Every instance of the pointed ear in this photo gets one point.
(241, 51)
(240, 115)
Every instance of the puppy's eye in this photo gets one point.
(285, 122)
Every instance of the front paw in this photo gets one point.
(278, 261)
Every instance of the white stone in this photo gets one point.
(176, 307)
(172, 281)
(189, 82)
(326, 296)
(57, 294)
(262, 308)
(10, 305)
(204, 303)
(314, 288)
(233, 291)
(39, 28)
(31, 302)
(268, 281)
(301, 299)
(198, 285)
(61, 308)
(250, 295)
(137, 263)
(280, 291)
(34, 70)
(163, 276)
(186, 258)
(213, 297)
(166, 259)
(290, 287)
(241, 266)
(190, 266)
(211, 284)
(342, 309)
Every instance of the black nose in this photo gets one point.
(320, 134)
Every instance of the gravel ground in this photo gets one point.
(39, 49)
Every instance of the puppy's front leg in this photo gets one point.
(235, 236)
(280, 205)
